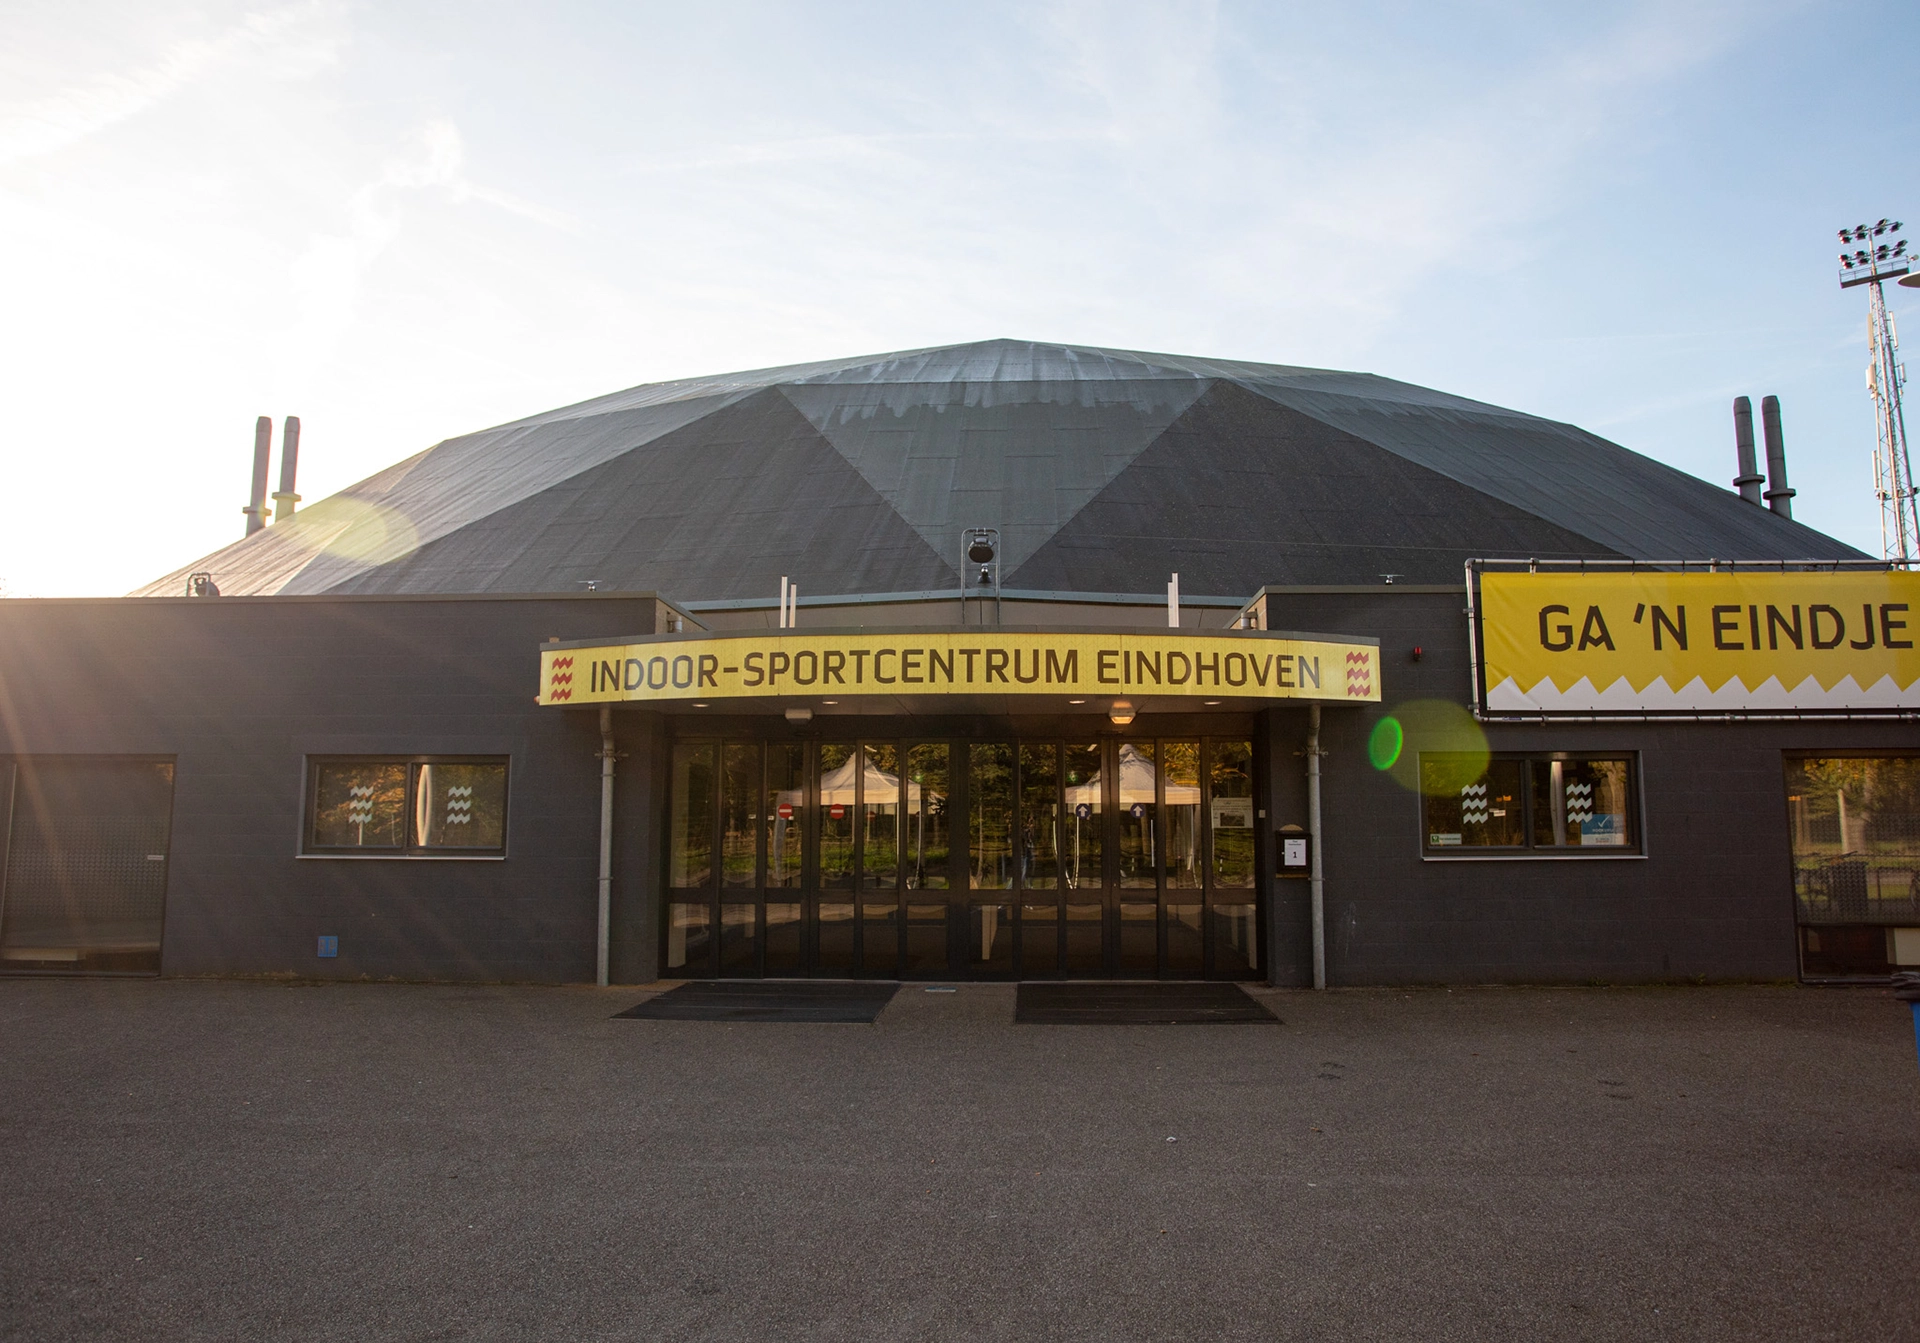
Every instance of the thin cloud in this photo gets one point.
(75, 114)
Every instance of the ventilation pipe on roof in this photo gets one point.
(1779, 497)
(284, 498)
(256, 509)
(1749, 480)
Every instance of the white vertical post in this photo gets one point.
(1173, 602)
(782, 624)
(606, 839)
(793, 606)
(1318, 882)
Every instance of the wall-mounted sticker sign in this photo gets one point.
(1293, 853)
(1641, 643)
(1236, 664)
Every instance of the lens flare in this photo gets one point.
(1429, 746)
(1383, 745)
(366, 533)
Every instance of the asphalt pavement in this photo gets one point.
(222, 1160)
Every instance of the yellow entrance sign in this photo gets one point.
(1730, 642)
(931, 662)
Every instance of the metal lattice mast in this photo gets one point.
(1872, 263)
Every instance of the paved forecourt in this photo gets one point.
(227, 1160)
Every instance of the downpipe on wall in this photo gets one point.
(606, 839)
(1318, 882)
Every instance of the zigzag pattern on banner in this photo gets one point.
(1733, 697)
(560, 682)
(1579, 802)
(1359, 674)
(460, 806)
(1473, 804)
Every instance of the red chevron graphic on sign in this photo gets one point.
(560, 681)
(1359, 674)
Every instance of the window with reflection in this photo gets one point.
(1586, 804)
(415, 808)
(836, 801)
(1230, 811)
(690, 827)
(990, 815)
(880, 816)
(929, 767)
(739, 815)
(359, 805)
(1139, 811)
(1083, 829)
(1516, 803)
(1473, 803)
(1180, 778)
(784, 814)
(1039, 816)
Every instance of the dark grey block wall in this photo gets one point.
(239, 691)
(1713, 897)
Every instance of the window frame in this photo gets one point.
(1529, 852)
(410, 853)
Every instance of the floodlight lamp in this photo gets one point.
(1846, 235)
(1860, 229)
(986, 576)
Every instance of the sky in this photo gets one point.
(410, 220)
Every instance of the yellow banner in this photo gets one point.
(1240, 665)
(1755, 642)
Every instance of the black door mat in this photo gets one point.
(766, 1000)
(1137, 1005)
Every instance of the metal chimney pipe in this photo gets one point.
(256, 509)
(284, 498)
(1779, 497)
(1749, 480)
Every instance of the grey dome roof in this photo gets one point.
(1103, 469)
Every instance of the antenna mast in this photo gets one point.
(1876, 258)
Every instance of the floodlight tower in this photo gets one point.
(1877, 257)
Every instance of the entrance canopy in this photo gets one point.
(926, 669)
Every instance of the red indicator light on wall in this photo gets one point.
(1417, 652)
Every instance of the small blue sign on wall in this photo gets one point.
(329, 946)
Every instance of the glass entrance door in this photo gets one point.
(894, 858)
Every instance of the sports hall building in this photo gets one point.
(1003, 660)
